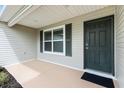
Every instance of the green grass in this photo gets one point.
(3, 77)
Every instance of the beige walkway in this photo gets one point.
(37, 74)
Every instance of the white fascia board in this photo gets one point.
(24, 11)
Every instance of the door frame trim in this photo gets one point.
(113, 74)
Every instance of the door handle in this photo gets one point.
(86, 47)
(86, 44)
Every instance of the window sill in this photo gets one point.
(54, 53)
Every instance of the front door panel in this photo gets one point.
(98, 44)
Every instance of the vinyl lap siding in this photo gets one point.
(76, 60)
(76, 50)
(17, 44)
(120, 44)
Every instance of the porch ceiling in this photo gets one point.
(9, 11)
(48, 14)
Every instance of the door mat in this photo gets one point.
(106, 82)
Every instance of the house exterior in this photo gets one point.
(91, 42)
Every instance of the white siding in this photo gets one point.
(76, 60)
(17, 44)
(120, 44)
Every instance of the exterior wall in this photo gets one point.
(120, 44)
(17, 44)
(76, 61)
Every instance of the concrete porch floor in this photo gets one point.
(37, 74)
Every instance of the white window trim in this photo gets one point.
(52, 52)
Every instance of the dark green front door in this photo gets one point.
(99, 45)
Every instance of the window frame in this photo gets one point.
(52, 40)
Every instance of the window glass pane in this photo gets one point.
(58, 34)
(48, 35)
(48, 46)
(58, 46)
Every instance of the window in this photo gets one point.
(58, 40)
(54, 40)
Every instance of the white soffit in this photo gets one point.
(49, 14)
(9, 11)
(24, 11)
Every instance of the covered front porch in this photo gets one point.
(40, 74)
(61, 35)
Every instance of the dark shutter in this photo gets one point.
(41, 41)
(68, 39)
